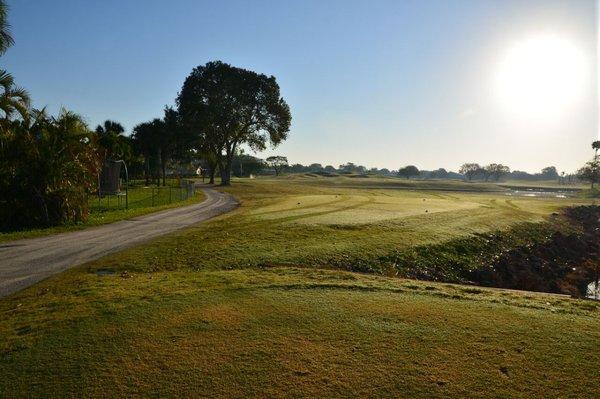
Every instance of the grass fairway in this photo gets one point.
(238, 307)
(317, 221)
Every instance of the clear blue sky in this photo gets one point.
(378, 83)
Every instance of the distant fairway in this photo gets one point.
(360, 208)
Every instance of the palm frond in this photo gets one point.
(6, 79)
(6, 39)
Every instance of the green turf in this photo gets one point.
(168, 319)
(319, 221)
(288, 332)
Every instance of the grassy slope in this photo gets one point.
(140, 205)
(171, 322)
(287, 332)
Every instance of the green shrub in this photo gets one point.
(47, 169)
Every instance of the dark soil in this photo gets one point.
(561, 255)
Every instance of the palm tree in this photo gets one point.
(596, 147)
(111, 139)
(6, 39)
(12, 99)
(146, 139)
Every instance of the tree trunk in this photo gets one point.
(147, 169)
(158, 166)
(164, 167)
(225, 169)
(211, 171)
(225, 177)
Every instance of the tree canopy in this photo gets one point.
(113, 144)
(470, 170)
(590, 172)
(226, 106)
(278, 163)
(408, 171)
(496, 171)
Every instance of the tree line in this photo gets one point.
(246, 165)
(49, 165)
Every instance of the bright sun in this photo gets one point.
(540, 77)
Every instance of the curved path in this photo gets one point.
(25, 262)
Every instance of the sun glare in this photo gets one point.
(541, 76)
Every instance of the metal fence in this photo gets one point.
(143, 197)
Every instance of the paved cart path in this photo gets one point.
(25, 262)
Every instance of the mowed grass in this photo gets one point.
(287, 332)
(323, 221)
(169, 319)
(111, 209)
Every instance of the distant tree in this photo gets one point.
(550, 173)
(596, 147)
(385, 171)
(225, 107)
(470, 170)
(350, 167)
(278, 163)
(440, 173)
(168, 139)
(330, 169)
(146, 140)
(246, 165)
(408, 171)
(590, 172)
(315, 167)
(297, 168)
(496, 171)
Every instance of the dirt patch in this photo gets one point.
(561, 255)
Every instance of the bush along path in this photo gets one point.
(560, 255)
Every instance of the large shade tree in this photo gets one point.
(226, 106)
